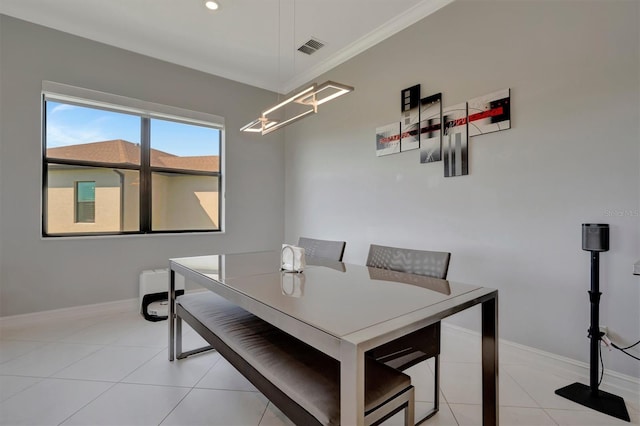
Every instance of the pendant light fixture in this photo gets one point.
(302, 103)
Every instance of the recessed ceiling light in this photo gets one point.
(211, 5)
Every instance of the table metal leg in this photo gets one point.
(351, 385)
(172, 312)
(178, 337)
(490, 362)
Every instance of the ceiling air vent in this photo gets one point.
(311, 46)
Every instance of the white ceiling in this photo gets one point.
(250, 41)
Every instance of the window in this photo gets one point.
(85, 202)
(115, 165)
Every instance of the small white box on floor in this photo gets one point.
(154, 293)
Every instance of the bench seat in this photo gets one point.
(276, 362)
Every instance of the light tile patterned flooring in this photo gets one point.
(113, 370)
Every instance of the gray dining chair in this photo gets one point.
(327, 249)
(422, 344)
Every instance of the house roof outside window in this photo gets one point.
(119, 151)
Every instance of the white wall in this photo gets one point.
(36, 274)
(515, 222)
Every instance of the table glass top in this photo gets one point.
(332, 296)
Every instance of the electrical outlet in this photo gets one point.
(604, 330)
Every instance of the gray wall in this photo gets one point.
(572, 156)
(1, 149)
(36, 274)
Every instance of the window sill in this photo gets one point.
(153, 235)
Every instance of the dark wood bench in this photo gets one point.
(301, 381)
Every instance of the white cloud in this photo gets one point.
(62, 107)
(60, 135)
(79, 125)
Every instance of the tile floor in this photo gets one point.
(113, 370)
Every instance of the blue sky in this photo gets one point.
(73, 125)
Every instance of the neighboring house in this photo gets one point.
(84, 199)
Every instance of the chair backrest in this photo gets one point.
(420, 262)
(322, 248)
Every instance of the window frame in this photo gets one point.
(77, 201)
(146, 111)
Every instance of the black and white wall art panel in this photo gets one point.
(388, 139)
(490, 113)
(431, 128)
(410, 118)
(455, 140)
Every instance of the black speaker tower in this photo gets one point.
(595, 238)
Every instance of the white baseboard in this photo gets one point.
(628, 386)
(74, 312)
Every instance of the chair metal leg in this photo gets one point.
(436, 392)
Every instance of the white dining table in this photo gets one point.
(344, 310)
